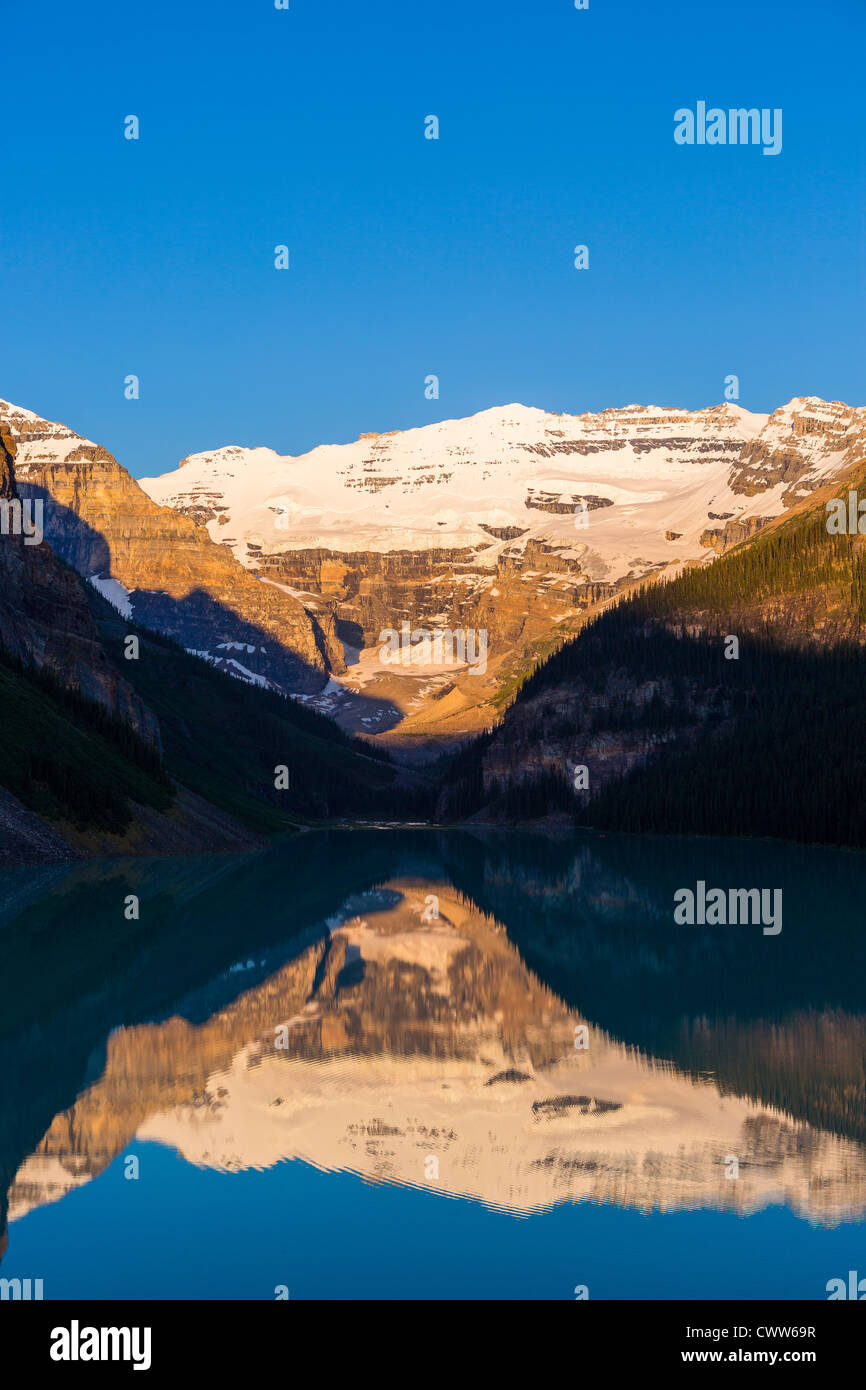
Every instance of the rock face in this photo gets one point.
(45, 619)
(514, 521)
(160, 567)
(802, 445)
(583, 728)
(367, 591)
(722, 538)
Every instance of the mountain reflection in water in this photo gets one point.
(411, 1007)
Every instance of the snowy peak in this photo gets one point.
(443, 483)
(641, 470)
(43, 441)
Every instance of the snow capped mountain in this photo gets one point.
(507, 474)
(515, 522)
(603, 487)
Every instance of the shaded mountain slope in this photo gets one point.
(210, 783)
(66, 759)
(675, 731)
(224, 740)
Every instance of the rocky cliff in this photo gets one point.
(159, 566)
(801, 446)
(45, 619)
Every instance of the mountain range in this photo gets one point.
(561, 538)
(516, 521)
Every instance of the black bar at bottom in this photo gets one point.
(225, 1339)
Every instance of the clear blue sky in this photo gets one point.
(411, 256)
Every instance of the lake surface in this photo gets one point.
(421, 1064)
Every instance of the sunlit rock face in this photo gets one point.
(45, 619)
(413, 1046)
(803, 444)
(159, 567)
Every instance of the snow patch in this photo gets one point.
(115, 592)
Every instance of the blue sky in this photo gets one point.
(410, 256)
